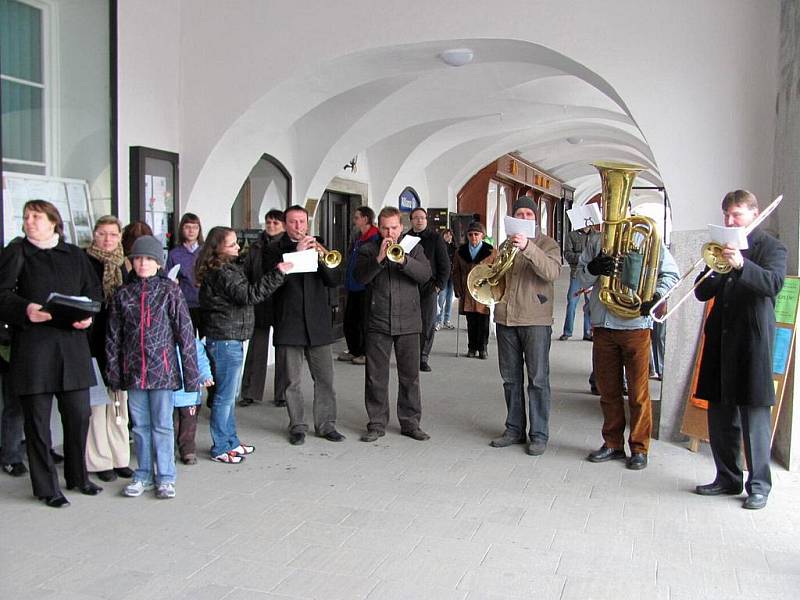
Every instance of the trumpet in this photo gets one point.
(711, 256)
(329, 258)
(395, 253)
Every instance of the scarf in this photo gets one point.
(46, 244)
(112, 273)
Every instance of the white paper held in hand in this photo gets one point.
(584, 216)
(409, 242)
(523, 226)
(305, 261)
(735, 236)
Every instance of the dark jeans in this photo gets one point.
(376, 383)
(477, 332)
(572, 303)
(613, 350)
(520, 349)
(75, 410)
(355, 321)
(427, 303)
(12, 424)
(320, 364)
(727, 426)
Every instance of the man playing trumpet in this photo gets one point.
(392, 279)
(304, 329)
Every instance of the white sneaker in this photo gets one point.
(449, 325)
(438, 327)
(165, 490)
(136, 488)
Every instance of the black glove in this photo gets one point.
(646, 306)
(602, 264)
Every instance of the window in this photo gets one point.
(23, 89)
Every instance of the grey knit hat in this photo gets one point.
(524, 202)
(149, 246)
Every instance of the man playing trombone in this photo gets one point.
(392, 278)
(736, 366)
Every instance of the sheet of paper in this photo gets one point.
(305, 261)
(173, 273)
(409, 242)
(514, 226)
(584, 216)
(735, 236)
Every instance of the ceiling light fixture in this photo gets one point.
(457, 57)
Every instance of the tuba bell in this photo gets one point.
(486, 283)
(633, 242)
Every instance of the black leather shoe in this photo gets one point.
(563, 338)
(470, 354)
(482, 354)
(106, 476)
(425, 367)
(333, 436)
(715, 488)
(637, 461)
(605, 453)
(280, 403)
(57, 501)
(87, 489)
(755, 502)
(536, 448)
(372, 435)
(297, 438)
(416, 434)
(506, 440)
(124, 472)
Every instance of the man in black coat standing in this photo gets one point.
(303, 328)
(736, 366)
(435, 250)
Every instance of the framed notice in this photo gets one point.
(69, 196)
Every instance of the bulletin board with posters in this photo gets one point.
(69, 196)
(695, 422)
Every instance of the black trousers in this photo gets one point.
(376, 393)
(477, 331)
(427, 303)
(254, 375)
(727, 426)
(75, 411)
(355, 322)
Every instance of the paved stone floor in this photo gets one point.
(450, 518)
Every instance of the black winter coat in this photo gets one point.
(97, 332)
(736, 366)
(301, 307)
(147, 319)
(435, 249)
(46, 357)
(254, 269)
(394, 296)
(227, 299)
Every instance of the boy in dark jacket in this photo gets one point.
(394, 321)
(148, 318)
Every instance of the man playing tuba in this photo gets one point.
(524, 320)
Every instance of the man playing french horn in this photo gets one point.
(524, 319)
(392, 278)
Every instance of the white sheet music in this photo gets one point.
(305, 261)
(409, 242)
(524, 226)
(735, 236)
(584, 216)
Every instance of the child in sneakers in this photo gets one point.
(187, 407)
(148, 318)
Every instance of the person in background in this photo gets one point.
(185, 424)
(444, 302)
(148, 319)
(576, 242)
(524, 326)
(226, 300)
(736, 365)
(357, 307)
(108, 451)
(394, 322)
(130, 233)
(436, 252)
(49, 356)
(190, 240)
(255, 364)
(474, 252)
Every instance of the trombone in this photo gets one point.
(711, 255)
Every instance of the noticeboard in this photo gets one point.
(69, 196)
(695, 422)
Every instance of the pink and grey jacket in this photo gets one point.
(148, 325)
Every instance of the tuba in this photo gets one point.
(486, 283)
(633, 242)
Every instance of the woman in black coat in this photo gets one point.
(49, 356)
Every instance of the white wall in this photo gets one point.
(698, 77)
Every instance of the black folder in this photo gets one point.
(69, 309)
